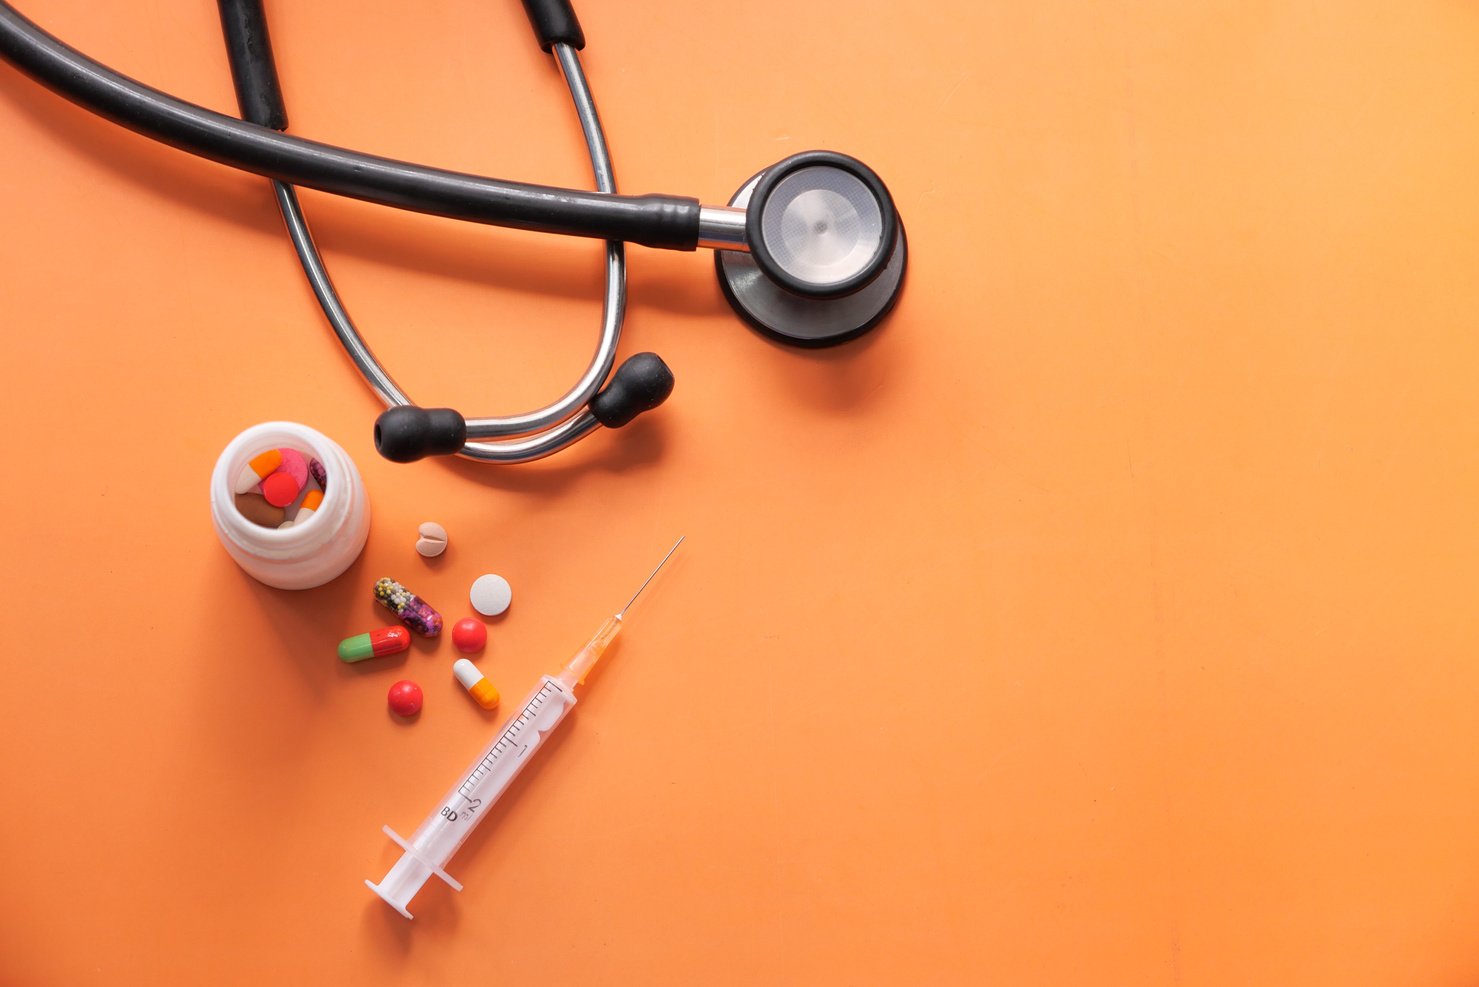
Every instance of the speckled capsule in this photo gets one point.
(413, 611)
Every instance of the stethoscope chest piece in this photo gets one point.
(827, 251)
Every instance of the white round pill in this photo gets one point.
(490, 595)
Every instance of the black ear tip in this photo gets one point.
(640, 384)
(407, 433)
(648, 372)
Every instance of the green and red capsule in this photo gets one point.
(375, 644)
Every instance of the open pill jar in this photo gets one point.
(309, 553)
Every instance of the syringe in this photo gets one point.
(450, 824)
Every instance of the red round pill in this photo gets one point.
(280, 489)
(404, 698)
(469, 635)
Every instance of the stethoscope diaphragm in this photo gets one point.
(827, 252)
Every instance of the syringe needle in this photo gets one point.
(577, 668)
(623, 611)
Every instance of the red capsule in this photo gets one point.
(382, 641)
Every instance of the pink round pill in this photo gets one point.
(294, 464)
(469, 635)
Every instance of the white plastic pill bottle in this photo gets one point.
(307, 554)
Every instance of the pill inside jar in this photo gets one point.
(280, 487)
(327, 533)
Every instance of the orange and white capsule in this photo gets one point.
(257, 469)
(476, 683)
(311, 500)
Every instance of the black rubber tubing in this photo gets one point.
(554, 22)
(249, 47)
(664, 221)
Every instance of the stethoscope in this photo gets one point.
(810, 251)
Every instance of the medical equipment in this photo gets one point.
(809, 251)
(456, 816)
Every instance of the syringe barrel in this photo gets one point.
(455, 817)
(484, 781)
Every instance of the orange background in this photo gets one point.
(1107, 617)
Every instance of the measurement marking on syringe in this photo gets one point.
(505, 743)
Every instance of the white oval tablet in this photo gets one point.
(490, 595)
